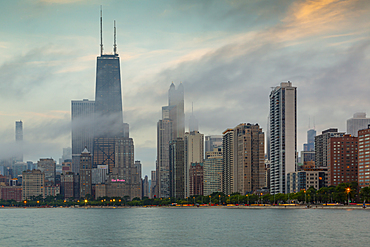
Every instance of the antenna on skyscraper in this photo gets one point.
(309, 122)
(101, 30)
(314, 123)
(115, 44)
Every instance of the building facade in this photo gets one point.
(321, 146)
(342, 160)
(227, 185)
(177, 168)
(82, 119)
(364, 157)
(212, 170)
(33, 183)
(85, 173)
(283, 135)
(48, 167)
(358, 122)
(194, 153)
(196, 179)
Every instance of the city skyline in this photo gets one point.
(227, 54)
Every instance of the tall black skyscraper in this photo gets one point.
(108, 99)
(108, 116)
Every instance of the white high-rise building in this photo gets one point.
(358, 122)
(194, 153)
(283, 135)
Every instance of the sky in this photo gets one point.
(228, 54)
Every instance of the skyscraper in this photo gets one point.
(85, 173)
(358, 122)
(321, 146)
(310, 145)
(249, 147)
(164, 136)
(108, 115)
(194, 153)
(243, 159)
(283, 135)
(176, 99)
(82, 112)
(177, 165)
(19, 140)
(228, 161)
(363, 157)
(171, 127)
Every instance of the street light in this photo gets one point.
(85, 202)
(348, 190)
(247, 200)
(219, 199)
(305, 201)
(229, 199)
(261, 198)
(194, 200)
(209, 200)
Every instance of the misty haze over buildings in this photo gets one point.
(226, 53)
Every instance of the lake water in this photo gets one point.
(184, 227)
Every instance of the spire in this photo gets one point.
(115, 44)
(101, 30)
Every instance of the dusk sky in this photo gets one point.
(227, 54)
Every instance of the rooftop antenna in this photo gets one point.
(101, 30)
(314, 123)
(115, 44)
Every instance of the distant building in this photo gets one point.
(196, 179)
(321, 146)
(145, 187)
(11, 193)
(364, 157)
(303, 180)
(19, 140)
(164, 136)
(228, 162)
(358, 122)
(82, 112)
(342, 160)
(18, 168)
(67, 186)
(99, 174)
(194, 153)
(243, 159)
(33, 184)
(212, 142)
(85, 173)
(212, 170)
(177, 167)
(283, 135)
(52, 190)
(170, 127)
(48, 167)
(153, 184)
(310, 145)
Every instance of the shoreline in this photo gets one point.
(312, 207)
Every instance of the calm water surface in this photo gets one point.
(184, 227)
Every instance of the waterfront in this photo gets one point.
(183, 227)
